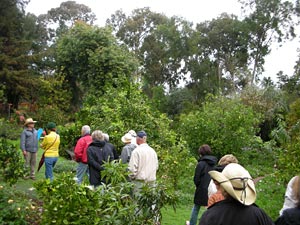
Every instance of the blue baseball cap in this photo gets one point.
(141, 134)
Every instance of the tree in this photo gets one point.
(159, 42)
(59, 20)
(221, 56)
(91, 59)
(268, 21)
(18, 52)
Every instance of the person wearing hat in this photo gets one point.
(29, 146)
(80, 153)
(128, 148)
(143, 162)
(205, 163)
(238, 205)
(133, 135)
(290, 212)
(50, 145)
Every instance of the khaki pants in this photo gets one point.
(30, 162)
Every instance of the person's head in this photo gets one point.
(29, 123)
(235, 182)
(296, 190)
(106, 137)
(141, 137)
(204, 150)
(126, 139)
(97, 135)
(226, 159)
(51, 126)
(85, 130)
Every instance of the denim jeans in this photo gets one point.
(49, 164)
(82, 169)
(194, 215)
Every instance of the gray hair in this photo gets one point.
(97, 135)
(86, 129)
(106, 137)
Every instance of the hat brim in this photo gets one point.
(246, 197)
(30, 122)
(125, 140)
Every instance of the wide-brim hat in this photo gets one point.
(237, 182)
(29, 121)
(126, 138)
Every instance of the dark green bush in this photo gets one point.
(11, 162)
(9, 130)
(16, 208)
(65, 166)
(66, 202)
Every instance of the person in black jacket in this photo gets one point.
(98, 152)
(201, 180)
(290, 213)
(238, 207)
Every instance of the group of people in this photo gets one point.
(228, 191)
(29, 145)
(91, 151)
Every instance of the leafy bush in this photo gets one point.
(119, 111)
(69, 135)
(226, 125)
(15, 209)
(66, 202)
(9, 130)
(65, 166)
(11, 162)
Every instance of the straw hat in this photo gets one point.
(126, 138)
(29, 121)
(237, 182)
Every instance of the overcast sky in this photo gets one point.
(192, 10)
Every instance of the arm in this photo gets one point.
(198, 173)
(92, 160)
(124, 155)
(22, 143)
(133, 164)
(78, 150)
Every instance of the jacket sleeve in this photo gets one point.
(124, 155)
(199, 171)
(92, 160)
(133, 164)
(22, 141)
(78, 150)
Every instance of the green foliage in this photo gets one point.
(69, 135)
(119, 111)
(15, 207)
(65, 202)
(11, 162)
(9, 130)
(65, 166)
(226, 125)
(91, 59)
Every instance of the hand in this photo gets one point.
(24, 152)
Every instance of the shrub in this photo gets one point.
(226, 125)
(66, 202)
(11, 162)
(15, 209)
(65, 166)
(9, 130)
